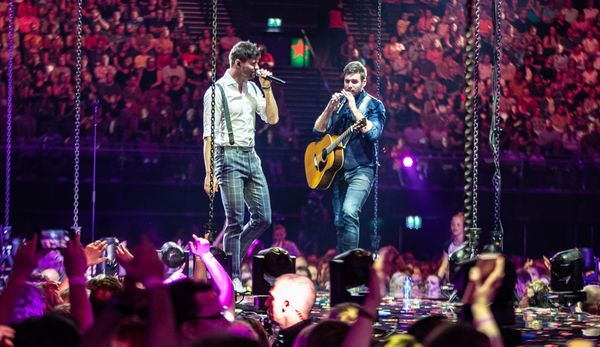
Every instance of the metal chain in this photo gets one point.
(473, 48)
(497, 232)
(77, 118)
(211, 205)
(376, 237)
(476, 112)
(9, 111)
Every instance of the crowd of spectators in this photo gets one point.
(549, 76)
(138, 60)
(61, 298)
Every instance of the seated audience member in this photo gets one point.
(279, 235)
(290, 300)
(432, 287)
(102, 289)
(592, 302)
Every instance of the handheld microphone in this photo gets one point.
(273, 79)
(342, 103)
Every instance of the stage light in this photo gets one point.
(414, 222)
(349, 270)
(274, 22)
(269, 264)
(566, 271)
(408, 161)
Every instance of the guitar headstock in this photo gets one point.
(359, 124)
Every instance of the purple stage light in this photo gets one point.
(408, 161)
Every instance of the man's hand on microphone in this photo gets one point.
(350, 100)
(262, 77)
(334, 102)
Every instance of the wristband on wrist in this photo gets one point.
(266, 88)
(362, 312)
(77, 280)
(152, 282)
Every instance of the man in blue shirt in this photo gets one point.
(352, 184)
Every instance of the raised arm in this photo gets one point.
(201, 248)
(322, 121)
(271, 108)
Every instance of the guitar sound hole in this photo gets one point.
(324, 155)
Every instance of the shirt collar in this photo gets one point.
(228, 79)
(360, 96)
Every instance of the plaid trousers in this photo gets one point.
(242, 181)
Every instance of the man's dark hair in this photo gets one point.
(183, 299)
(98, 283)
(356, 67)
(243, 50)
(423, 327)
(328, 333)
(47, 331)
(226, 340)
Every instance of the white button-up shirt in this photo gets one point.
(243, 108)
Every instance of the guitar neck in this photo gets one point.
(341, 138)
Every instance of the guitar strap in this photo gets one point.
(226, 115)
(362, 108)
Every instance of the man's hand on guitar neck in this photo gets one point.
(355, 112)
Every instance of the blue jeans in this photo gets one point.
(242, 181)
(350, 190)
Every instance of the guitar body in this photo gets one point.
(320, 171)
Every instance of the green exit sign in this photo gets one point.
(274, 22)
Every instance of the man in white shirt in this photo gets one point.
(237, 167)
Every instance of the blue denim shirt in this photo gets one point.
(360, 148)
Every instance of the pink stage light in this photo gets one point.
(408, 161)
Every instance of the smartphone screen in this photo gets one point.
(53, 239)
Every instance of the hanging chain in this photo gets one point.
(211, 227)
(77, 118)
(9, 111)
(494, 139)
(472, 126)
(376, 237)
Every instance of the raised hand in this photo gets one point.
(485, 291)
(349, 99)
(93, 252)
(7, 335)
(145, 264)
(262, 75)
(199, 246)
(123, 255)
(334, 102)
(75, 258)
(26, 259)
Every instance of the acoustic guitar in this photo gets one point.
(324, 158)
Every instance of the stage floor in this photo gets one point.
(538, 327)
